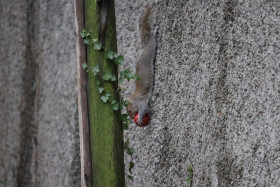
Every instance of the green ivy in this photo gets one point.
(190, 176)
(106, 76)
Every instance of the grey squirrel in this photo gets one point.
(139, 101)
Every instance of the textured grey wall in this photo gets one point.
(216, 103)
(39, 142)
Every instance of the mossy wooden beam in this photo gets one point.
(106, 133)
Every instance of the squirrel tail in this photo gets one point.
(145, 25)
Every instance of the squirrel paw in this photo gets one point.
(139, 122)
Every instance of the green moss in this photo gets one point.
(105, 128)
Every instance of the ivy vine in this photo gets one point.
(127, 74)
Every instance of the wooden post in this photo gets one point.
(86, 169)
(106, 135)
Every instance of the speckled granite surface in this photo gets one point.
(216, 102)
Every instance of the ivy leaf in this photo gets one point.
(113, 78)
(127, 74)
(83, 33)
(98, 83)
(120, 89)
(130, 177)
(131, 165)
(126, 144)
(190, 170)
(135, 77)
(121, 79)
(105, 98)
(97, 46)
(130, 151)
(125, 102)
(116, 55)
(95, 69)
(119, 60)
(115, 105)
(107, 76)
(100, 90)
(110, 55)
(86, 41)
(94, 40)
(190, 174)
(125, 126)
(123, 117)
(84, 65)
(189, 180)
(125, 121)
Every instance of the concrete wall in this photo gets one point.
(39, 144)
(216, 101)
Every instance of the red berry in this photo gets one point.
(145, 120)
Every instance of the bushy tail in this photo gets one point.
(145, 25)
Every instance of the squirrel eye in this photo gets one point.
(129, 111)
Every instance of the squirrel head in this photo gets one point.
(131, 110)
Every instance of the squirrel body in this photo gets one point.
(139, 101)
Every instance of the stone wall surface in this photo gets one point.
(39, 144)
(216, 101)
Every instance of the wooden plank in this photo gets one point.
(105, 128)
(86, 168)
